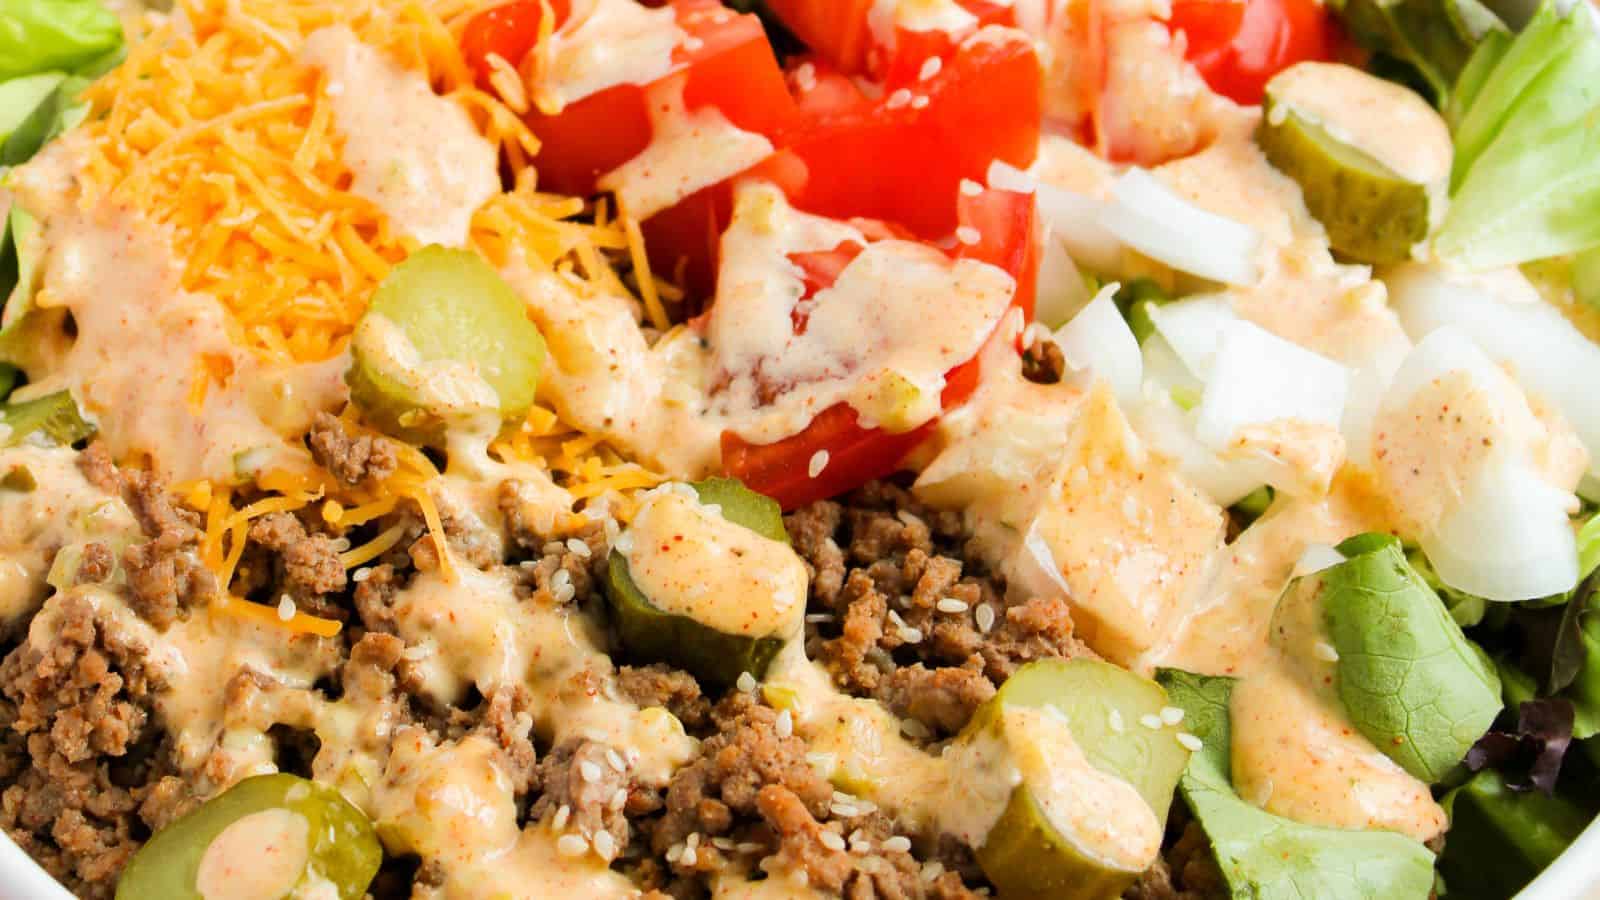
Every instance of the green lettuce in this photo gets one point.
(56, 36)
(1408, 678)
(1526, 180)
(1267, 857)
(1433, 38)
(58, 111)
(19, 97)
(1501, 839)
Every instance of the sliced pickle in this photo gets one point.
(444, 340)
(1373, 213)
(714, 656)
(1108, 712)
(281, 829)
(54, 416)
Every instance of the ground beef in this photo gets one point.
(75, 714)
(589, 781)
(673, 689)
(96, 564)
(165, 575)
(352, 459)
(307, 564)
(902, 591)
(98, 469)
(374, 597)
(1187, 869)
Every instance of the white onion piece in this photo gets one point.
(1164, 369)
(1316, 558)
(1543, 351)
(1153, 219)
(1260, 378)
(1075, 219)
(1098, 339)
(1193, 328)
(1059, 291)
(1508, 538)
(1170, 432)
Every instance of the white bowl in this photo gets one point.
(1575, 876)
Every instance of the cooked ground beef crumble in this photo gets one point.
(899, 611)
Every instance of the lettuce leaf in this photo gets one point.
(1526, 180)
(1500, 839)
(56, 35)
(1434, 38)
(1267, 857)
(19, 97)
(57, 112)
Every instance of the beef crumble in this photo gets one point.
(351, 458)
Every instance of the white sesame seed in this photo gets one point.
(619, 798)
(819, 461)
(899, 98)
(785, 725)
(1116, 721)
(931, 870)
(749, 847)
(1190, 741)
(843, 810)
(911, 635)
(692, 44)
(968, 235)
(820, 618)
(800, 877)
(1325, 652)
(690, 857)
(286, 607)
(832, 841)
(746, 682)
(985, 617)
(970, 188)
(361, 574)
(722, 843)
(897, 844)
(860, 843)
(1152, 722)
(913, 729)
(341, 544)
(614, 759)
(674, 853)
(579, 547)
(562, 815)
(605, 845)
(572, 845)
(930, 68)
(910, 519)
(951, 605)
(589, 771)
(806, 76)
(919, 102)
(1171, 715)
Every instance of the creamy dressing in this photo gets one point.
(415, 155)
(602, 44)
(262, 856)
(689, 561)
(689, 150)
(1390, 123)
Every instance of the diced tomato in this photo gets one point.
(1007, 237)
(733, 68)
(590, 138)
(508, 32)
(839, 32)
(902, 156)
(1238, 45)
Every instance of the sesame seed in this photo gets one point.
(361, 574)
(970, 188)
(819, 461)
(605, 845)
(614, 759)
(1190, 741)
(819, 618)
(822, 761)
(899, 98)
(692, 44)
(1116, 721)
(913, 729)
(589, 771)
(930, 68)
(898, 844)
(619, 798)
(911, 635)
(1171, 715)
(1151, 722)
(579, 547)
(910, 519)
(749, 847)
(843, 810)
(286, 607)
(919, 102)
(832, 841)
(690, 857)
(806, 76)
(931, 870)
(746, 682)
(800, 877)
(968, 235)
(562, 815)
(985, 617)
(722, 843)
(859, 843)
(1325, 652)
(785, 726)
(572, 845)
(951, 605)
(674, 853)
(340, 544)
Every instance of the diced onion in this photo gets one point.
(1193, 329)
(1151, 218)
(1508, 538)
(1060, 292)
(1316, 558)
(1076, 219)
(1260, 378)
(1098, 338)
(1170, 432)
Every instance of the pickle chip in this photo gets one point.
(444, 341)
(1377, 194)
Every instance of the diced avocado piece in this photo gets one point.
(54, 415)
(1375, 210)
(1026, 853)
(1408, 678)
(715, 657)
(1267, 857)
(1500, 839)
(325, 840)
(444, 340)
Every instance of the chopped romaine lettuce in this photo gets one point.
(1433, 37)
(56, 35)
(1267, 857)
(57, 112)
(1526, 179)
(19, 97)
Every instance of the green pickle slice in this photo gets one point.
(713, 656)
(445, 339)
(1108, 711)
(329, 842)
(1372, 213)
(54, 415)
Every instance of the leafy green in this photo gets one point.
(56, 35)
(1500, 839)
(19, 97)
(1267, 857)
(1467, 609)
(1409, 679)
(1435, 38)
(57, 112)
(1526, 179)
